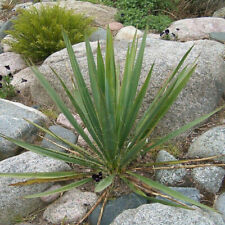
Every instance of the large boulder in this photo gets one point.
(200, 96)
(196, 28)
(12, 124)
(12, 204)
(152, 214)
(101, 14)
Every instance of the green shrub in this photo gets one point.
(6, 89)
(37, 32)
(142, 13)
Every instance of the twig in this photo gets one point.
(93, 207)
(103, 206)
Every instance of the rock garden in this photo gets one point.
(105, 146)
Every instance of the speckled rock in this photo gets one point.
(12, 203)
(220, 204)
(201, 95)
(127, 33)
(70, 207)
(13, 60)
(81, 141)
(13, 125)
(196, 28)
(62, 120)
(5, 46)
(115, 26)
(209, 178)
(211, 143)
(53, 197)
(220, 13)
(152, 214)
(169, 177)
(61, 132)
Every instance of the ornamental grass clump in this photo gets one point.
(37, 33)
(109, 111)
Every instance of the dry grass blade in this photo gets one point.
(103, 206)
(63, 147)
(149, 190)
(179, 162)
(93, 207)
(181, 166)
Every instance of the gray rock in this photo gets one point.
(220, 204)
(209, 178)
(219, 13)
(152, 214)
(95, 11)
(61, 132)
(169, 177)
(211, 143)
(99, 34)
(12, 204)
(192, 193)
(6, 26)
(70, 207)
(13, 125)
(201, 95)
(196, 28)
(13, 60)
(114, 207)
(218, 36)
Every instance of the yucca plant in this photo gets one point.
(110, 114)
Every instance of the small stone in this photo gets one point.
(115, 26)
(169, 177)
(220, 13)
(210, 143)
(220, 204)
(218, 36)
(81, 141)
(6, 26)
(99, 34)
(61, 132)
(127, 33)
(209, 178)
(62, 120)
(5, 46)
(70, 208)
(53, 197)
(114, 207)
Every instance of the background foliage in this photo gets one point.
(37, 32)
